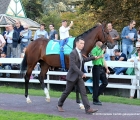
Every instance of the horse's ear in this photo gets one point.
(104, 23)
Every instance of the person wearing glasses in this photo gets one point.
(128, 35)
(25, 36)
(53, 35)
(5, 66)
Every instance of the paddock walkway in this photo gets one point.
(109, 111)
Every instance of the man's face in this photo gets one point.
(17, 24)
(116, 53)
(64, 24)
(10, 27)
(132, 24)
(3, 55)
(80, 44)
(42, 27)
(109, 27)
(51, 27)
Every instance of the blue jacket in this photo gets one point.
(125, 33)
(15, 39)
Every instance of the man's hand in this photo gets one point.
(132, 39)
(84, 76)
(107, 71)
(10, 38)
(127, 37)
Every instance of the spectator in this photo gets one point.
(53, 35)
(18, 28)
(115, 36)
(25, 36)
(138, 35)
(119, 57)
(5, 66)
(64, 30)
(134, 53)
(41, 32)
(2, 43)
(5, 46)
(134, 81)
(12, 41)
(129, 35)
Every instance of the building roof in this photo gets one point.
(4, 5)
(4, 20)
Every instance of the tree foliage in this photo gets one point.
(33, 8)
(118, 12)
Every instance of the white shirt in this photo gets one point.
(79, 52)
(9, 35)
(64, 32)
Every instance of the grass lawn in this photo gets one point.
(103, 98)
(12, 115)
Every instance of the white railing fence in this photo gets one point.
(48, 81)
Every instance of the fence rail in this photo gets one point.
(48, 81)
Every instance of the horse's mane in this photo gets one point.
(84, 34)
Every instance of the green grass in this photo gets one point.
(103, 98)
(12, 115)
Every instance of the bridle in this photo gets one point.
(104, 34)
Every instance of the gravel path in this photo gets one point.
(108, 111)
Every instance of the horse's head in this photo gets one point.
(107, 39)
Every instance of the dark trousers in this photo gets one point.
(98, 73)
(82, 90)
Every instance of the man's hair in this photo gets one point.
(132, 21)
(117, 50)
(3, 53)
(138, 50)
(11, 25)
(42, 24)
(64, 20)
(52, 25)
(79, 38)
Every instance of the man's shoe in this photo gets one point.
(60, 109)
(90, 111)
(97, 103)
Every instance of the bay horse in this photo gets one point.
(36, 52)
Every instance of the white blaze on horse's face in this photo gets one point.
(80, 44)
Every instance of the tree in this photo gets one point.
(118, 12)
(33, 8)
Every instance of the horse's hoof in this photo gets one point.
(48, 99)
(29, 101)
(81, 106)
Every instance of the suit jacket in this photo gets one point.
(74, 66)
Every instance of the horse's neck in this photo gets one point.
(90, 42)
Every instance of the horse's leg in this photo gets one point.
(78, 98)
(44, 69)
(27, 78)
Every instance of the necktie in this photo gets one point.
(80, 56)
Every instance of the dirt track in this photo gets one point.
(109, 111)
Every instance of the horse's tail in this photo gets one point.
(23, 65)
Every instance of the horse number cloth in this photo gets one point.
(53, 47)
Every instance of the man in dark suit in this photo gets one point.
(75, 75)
